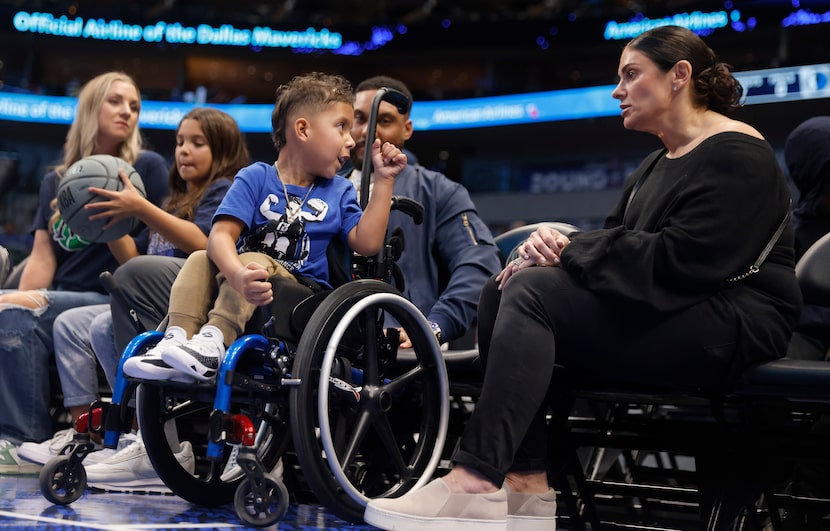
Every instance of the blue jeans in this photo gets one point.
(26, 347)
(77, 366)
(102, 339)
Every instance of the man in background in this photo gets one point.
(447, 258)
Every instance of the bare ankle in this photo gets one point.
(462, 479)
(528, 482)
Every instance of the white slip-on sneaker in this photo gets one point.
(531, 512)
(435, 508)
(130, 470)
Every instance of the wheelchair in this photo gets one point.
(327, 384)
(361, 424)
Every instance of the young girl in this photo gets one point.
(62, 269)
(209, 151)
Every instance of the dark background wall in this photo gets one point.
(449, 50)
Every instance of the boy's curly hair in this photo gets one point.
(315, 90)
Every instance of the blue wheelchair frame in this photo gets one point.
(258, 491)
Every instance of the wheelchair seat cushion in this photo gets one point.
(293, 304)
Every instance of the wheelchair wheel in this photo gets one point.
(362, 425)
(261, 503)
(60, 482)
(169, 414)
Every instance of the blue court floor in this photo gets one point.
(23, 507)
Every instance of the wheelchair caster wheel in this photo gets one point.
(261, 502)
(61, 482)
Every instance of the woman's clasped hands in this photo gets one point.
(542, 248)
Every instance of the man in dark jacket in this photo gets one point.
(447, 258)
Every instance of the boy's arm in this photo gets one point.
(367, 237)
(251, 280)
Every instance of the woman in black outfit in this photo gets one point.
(660, 294)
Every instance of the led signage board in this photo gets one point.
(697, 21)
(805, 17)
(760, 86)
(706, 23)
(175, 32)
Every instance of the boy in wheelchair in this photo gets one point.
(283, 217)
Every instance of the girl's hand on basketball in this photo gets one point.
(117, 205)
(388, 160)
(252, 282)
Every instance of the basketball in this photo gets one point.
(100, 171)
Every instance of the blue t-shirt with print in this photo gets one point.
(328, 208)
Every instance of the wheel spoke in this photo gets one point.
(370, 351)
(404, 379)
(392, 410)
(388, 441)
(358, 433)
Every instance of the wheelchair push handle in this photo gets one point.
(410, 207)
(402, 103)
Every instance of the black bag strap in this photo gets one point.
(756, 266)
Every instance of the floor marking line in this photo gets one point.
(116, 527)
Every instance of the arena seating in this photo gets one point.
(657, 458)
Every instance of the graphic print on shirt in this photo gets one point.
(67, 239)
(160, 246)
(284, 238)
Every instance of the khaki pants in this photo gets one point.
(201, 296)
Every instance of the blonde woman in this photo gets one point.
(62, 269)
(210, 149)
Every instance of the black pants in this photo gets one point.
(144, 282)
(542, 317)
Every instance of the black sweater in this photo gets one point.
(693, 222)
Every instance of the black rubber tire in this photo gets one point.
(190, 409)
(394, 442)
(61, 483)
(265, 511)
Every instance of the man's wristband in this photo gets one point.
(436, 330)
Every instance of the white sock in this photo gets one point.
(178, 333)
(214, 334)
